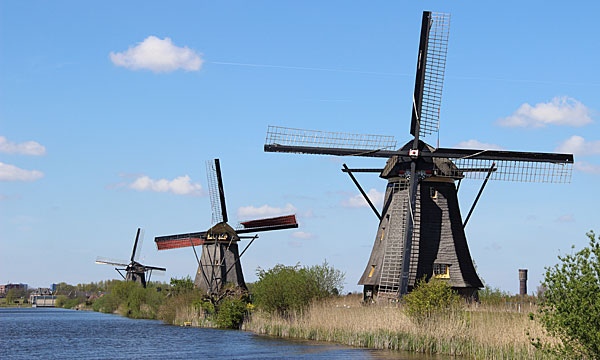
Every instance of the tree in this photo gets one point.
(570, 309)
(329, 280)
(284, 289)
(13, 294)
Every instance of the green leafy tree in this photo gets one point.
(12, 295)
(570, 308)
(431, 298)
(182, 285)
(284, 289)
(329, 281)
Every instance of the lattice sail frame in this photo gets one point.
(277, 135)
(435, 66)
(213, 192)
(510, 170)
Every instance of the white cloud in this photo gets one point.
(302, 235)
(586, 167)
(565, 219)
(181, 185)
(24, 148)
(249, 212)
(13, 173)
(560, 111)
(358, 200)
(158, 56)
(578, 146)
(476, 144)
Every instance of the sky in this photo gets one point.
(109, 110)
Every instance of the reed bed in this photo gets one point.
(478, 332)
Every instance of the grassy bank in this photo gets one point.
(479, 332)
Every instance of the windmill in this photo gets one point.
(219, 262)
(421, 232)
(134, 271)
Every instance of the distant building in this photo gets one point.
(6, 288)
(42, 297)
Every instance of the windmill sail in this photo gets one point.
(431, 66)
(216, 192)
(510, 165)
(107, 261)
(302, 141)
(267, 224)
(180, 240)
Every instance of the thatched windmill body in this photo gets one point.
(421, 230)
(219, 260)
(134, 270)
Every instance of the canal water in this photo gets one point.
(36, 333)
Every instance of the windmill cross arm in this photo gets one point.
(267, 228)
(330, 151)
(362, 170)
(106, 262)
(452, 153)
(155, 268)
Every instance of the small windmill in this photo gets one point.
(134, 271)
(219, 262)
(421, 232)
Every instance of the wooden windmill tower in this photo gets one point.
(134, 271)
(219, 261)
(421, 231)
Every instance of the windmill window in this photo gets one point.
(433, 193)
(441, 271)
(372, 271)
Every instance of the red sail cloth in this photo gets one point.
(274, 221)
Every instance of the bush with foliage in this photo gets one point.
(431, 298)
(286, 289)
(131, 300)
(329, 281)
(570, 309)
(231, 313)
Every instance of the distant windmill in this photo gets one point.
(219, 262)
(421, 232)
(134, 271)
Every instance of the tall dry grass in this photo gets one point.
(479, 332)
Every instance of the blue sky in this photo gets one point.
(86, 137)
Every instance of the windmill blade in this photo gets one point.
(268, 224)
(180, 240)
(429, 80)
(289, 140)
(155, 268)
(509, 165)
(135, 243)
(215, 191)
(113, 262)
(140, 243)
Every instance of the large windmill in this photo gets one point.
(219, 262)
(421, 231)
(134, 271)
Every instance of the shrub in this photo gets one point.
(284, 289)
(329, 281)
(231, 313)
(431, 298)
(493, 296)
(106, 304)
(570, 307)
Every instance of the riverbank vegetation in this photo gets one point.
(561, 321)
